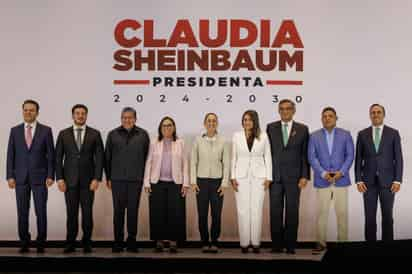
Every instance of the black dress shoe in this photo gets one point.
(87, 249)
(69, 249)
(40, 249)
(256, 249)
(290, 251)
(245, 250)
(24, 249)
(276, 250)
(173, 249)
(319, 248)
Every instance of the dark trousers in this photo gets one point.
(284, 223)
(370, 200)
(126, 196)
(167, 210)
(79, 197)
(208, 195)
(40, 194)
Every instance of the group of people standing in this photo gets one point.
(277, 160)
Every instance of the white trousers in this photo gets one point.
(249, 203)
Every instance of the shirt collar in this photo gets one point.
(288, 123)
(380, 127)
(33, 125)
(329, 133)
(83, 127)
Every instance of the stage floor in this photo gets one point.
(184, 253)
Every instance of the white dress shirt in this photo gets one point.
(75, 127)
(33, 128)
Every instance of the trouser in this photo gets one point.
(249, 203)
(77, 197)
(126, 197)
(23, 195)
(284, 225)
(167, 210)
(208, 195)
(339, 196)
(370, 198)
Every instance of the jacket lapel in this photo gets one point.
(384, 131)
(36, 135)
(85, 139)
(72, 138)
(370, 138)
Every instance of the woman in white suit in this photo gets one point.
(251, 175)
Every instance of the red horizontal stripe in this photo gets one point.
(284, 82)
(131, 82)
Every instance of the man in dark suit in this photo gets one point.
(378, 172)
(79, 168)
(30, 169)
(289, 143)
(126, 151)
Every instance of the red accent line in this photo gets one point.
(284, 82)
(131, 82)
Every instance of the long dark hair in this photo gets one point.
(160, 136)
(255, 118)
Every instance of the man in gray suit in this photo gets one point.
(289, 144)
(126, 151)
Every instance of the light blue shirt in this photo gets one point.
(329, 139)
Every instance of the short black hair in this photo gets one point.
(329, 109)
(30, 101)
(79, 106)
(283, 101)
(377, 105)
(129, 109)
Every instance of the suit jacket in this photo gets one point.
(341, 158)
(290, 163)
(36, 163)
(387, 163)
(258, 161)
(180, 164)
(79, 167)
(126, 154)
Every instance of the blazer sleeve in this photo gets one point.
(98, 157)
(359, 158)
(313, 156)
(398, 158)
(268, 160)
(234, 158)
(11, 152)
(108, 157)
(226, 164)
(50, 155)
(148, 166)
(349, 154)
(59, 156)
(193, 162)
(305, 163)
(185, 165)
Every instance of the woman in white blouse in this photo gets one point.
(251, 175)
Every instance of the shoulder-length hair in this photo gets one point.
(160, 134)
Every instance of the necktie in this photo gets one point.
(29, 136)
(285, 134)
(79, 138)
(377, 139)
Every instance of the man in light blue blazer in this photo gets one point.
(331, 153)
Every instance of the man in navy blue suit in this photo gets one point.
(378, 172)
(30, 169)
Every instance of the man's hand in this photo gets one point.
(61, 185)
(395, 187)
(302, 183)
(235, 185)
(94, 185)
(12, 183)
(338, 175)
(49, 182)
(361, 187)
(328, 177)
